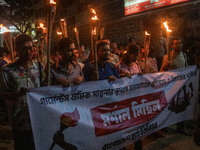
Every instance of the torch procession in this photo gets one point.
(109, 75)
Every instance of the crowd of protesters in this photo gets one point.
(70, 67)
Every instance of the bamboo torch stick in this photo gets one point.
(63, 25)
(94, 24)
(168, 39)
(50, 20)
(147, 38)
(77, 39)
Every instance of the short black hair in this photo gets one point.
(64, 43)
(133, 49)
(20, 39)
(102, 43)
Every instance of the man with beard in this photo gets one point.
(16, 78)
(106, 70)
(67, 72)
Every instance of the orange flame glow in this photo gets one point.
(95, 17)
(52, 2)
(93, 11)
(41, 25)
(146, 33)
(75, 30)
(166, 26)
(3, 29)
(59, 33)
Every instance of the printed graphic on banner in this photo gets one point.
(109, 116)
(182, 99)
(67, 120)
(117, 116)
(136, 6)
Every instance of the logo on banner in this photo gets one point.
(124, 114)
(182, 99)
(67, 120)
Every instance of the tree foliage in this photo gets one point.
(19, 13)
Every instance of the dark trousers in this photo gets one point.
(180, 126)
(23, 140)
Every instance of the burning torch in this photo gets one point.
(147, 38)
(94, 25)
(50, 19)
(77, 39)
(168, 39)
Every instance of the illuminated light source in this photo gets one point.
(93, 11)
(59, 33)
(146, 33)
(95, 17)
(52, 2)
(41, 25)
(3, 29)
(166, 26)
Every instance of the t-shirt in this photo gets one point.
(104, 73)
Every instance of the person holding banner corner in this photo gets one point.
(17, 77)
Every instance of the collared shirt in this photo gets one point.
(104, 73)
(133, 70)
(60, 72)
(13, 78)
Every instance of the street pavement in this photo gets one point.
(157, 141)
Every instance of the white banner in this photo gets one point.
(101, 115)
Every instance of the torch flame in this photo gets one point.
(41, 25)
(62, 19)
(93, 11)
(3, 29)
(166, 26)
(146, 33)
(59, 33)
(52, 2)
(70, 119)
(75, 29)
(95, 17)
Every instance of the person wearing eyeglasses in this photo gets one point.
(17, 77)
(67, 72)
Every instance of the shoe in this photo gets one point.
(183, 133)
